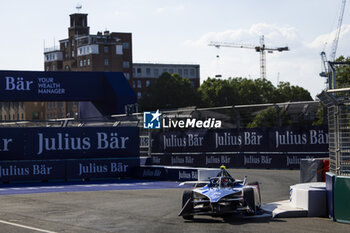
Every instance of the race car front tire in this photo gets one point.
(257, 185)
(248, 195)
(187, 194)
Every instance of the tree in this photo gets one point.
(217, 92)
(234, 91)
(286, 92)
(342, 81)
(269, 117)
(343, 73)
(169, 91)
(320, 116)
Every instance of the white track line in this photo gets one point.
(26, 227)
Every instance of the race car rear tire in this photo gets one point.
(187, 194)
(248, 195)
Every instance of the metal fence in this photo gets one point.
(232, 117)
(338, 104)
(339, 138)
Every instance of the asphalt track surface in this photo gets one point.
(141, 206)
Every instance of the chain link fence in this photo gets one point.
(337, 102)
(231, 117)
(339, 132)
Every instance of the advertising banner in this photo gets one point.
(42, 86)
(68, 143)
(167, 173)
(285, 139)
(101, 168)
(67, 169)
(108, 91)
(246, 160)
(31, 170)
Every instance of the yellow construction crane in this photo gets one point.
(259, 48)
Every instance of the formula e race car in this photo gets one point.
(221, 196)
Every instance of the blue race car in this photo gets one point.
(223, 195)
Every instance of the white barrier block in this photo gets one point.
(310, 197)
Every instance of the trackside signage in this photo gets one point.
(108, 91)
(68, 143)
(236, 160)
(288, 139)
(35, 86)
(67, 169)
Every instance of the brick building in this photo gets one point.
(82, 51)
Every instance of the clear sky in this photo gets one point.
(178, 31)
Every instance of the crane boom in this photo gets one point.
(336, 39)
(258, 48)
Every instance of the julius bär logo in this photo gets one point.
(151, 120)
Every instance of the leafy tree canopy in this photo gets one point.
(170, 91)
(343, 73)
(233, 91)
(269, 118)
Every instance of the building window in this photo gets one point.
(119, 49)
(186, 72)
(139, 84)
(126, 45)
(127, 76)
(66, 67)
(88, 61)
(84, 62)
(133, 84)
(47, 68)
(139, 71)
(148, 71)
(156, 72)
(73, 53)
(105, 49)
(72, 42)
(53, 67)
(81, 63)
(171, 71)
(139, 95)
(148, 83)
(126, 64)
(106, 62)
(179, 71)
(22, 116)
(192, 72)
